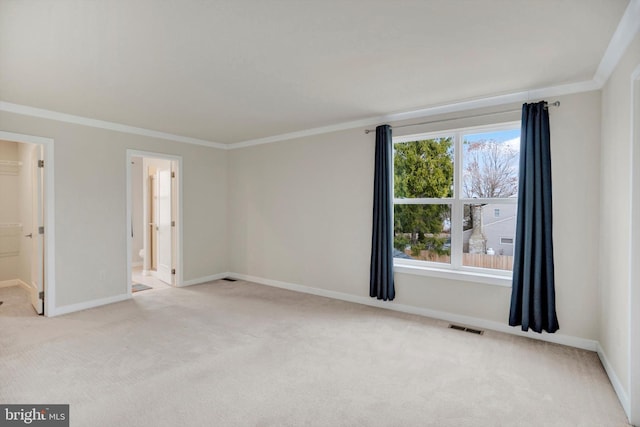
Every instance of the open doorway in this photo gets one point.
(23, 246)
(154, 216)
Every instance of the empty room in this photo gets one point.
(322, 213)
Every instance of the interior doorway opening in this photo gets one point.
(154, 212)
(26, 279)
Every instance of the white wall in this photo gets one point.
(9, 206)
(90, 217)
(300, 212)
(615, 214)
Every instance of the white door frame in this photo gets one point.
(49, 215)
(634, 254)
(37, 220)
(178, 232)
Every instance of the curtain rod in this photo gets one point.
(553, 104)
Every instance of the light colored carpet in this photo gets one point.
(15, 303)
(241, 354)
(138, 287)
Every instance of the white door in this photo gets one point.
(164, 225)
(37, 238)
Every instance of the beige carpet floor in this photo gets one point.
(15, 303)
(241, 354)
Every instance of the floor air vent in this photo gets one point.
(465, 329)
(229, 279)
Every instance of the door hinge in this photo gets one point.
(40, 163)
(173, 223)
(173, 174)
(40, 230)
(173, 271)
(41, 295)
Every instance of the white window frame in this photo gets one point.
(455, 270)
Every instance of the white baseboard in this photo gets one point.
(25, 285)
(110, 300)
(204, 279)
(17, 282)
(615, 381)
(7, 283)
(568, 340)
(66, 309)
(32, 290)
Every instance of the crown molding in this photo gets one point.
(622, 37)
(101, 124)
(486, 102)
(492, 101)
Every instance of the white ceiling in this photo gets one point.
(237, 70)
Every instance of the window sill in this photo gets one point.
(445, 273)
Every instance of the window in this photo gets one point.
(455, 198)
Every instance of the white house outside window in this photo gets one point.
(448, 188)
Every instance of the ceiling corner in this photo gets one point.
(625, 32)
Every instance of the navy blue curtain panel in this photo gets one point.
(533, 301)
(381, 273)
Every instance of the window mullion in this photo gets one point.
(424, 201)
(457, 208)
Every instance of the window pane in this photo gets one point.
(490, 163)
(423, 169)
(422, 232)
(487, 239)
